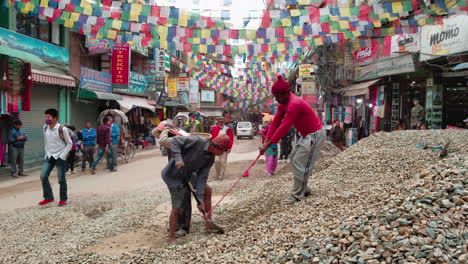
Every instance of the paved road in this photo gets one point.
(142, 171)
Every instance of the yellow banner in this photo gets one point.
(172, 88)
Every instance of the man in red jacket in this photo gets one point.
(294, 111)
(221, 161)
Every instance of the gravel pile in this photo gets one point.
(356, 190)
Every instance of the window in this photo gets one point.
(40, 29)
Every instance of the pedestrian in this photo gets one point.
(417, 114)
(192, 125)
(113, 149)
(286, 145)
(17, 139)
(193, 157)
(294, 111)
(72, 154)
(337, 135)
(424, 126)
(88, 145)
(271, 155)
(401, 125)
(57, 145)
(221, 160)
(104, 140)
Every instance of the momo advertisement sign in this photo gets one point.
(448, 38)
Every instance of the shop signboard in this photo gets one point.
(34, 46)
(448, 38)
(402, 43)
(159, 56)
(365, 55)
(194, 96)
(390, 66)
(305, 70)
(395, 105)
(172, 88)
(138, 85)
(121, 65)
(183, 84)
(208, 96)
(98, 46)
(95, 80)
(140, 49)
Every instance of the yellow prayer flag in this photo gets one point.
(203, 48)
(134, 16)
(356, 45)
(205, 33)
(298, 30)
(295, 12)
(334, 18)
(196, 40)
(183, 22)
(286, 22)
(304, 2)
(162, 31)
(318, 41)
(377, 23)
(112, 34)
(356, 33)
(163, 44)
(74, 16)
(28, 7)
(344, 24)
(384, 16)
(88, 11)
(68, 23)
(44, 3)
(397, 7)
(243, 49)
(117, 24)
(251, 34)
(280, 47)
(345, 11)
(85, 3)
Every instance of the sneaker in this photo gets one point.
(307, 192)
(72, 172)
(14, 175)
(268, 174)
(181, 232)
(22, 174)
(69, 173)
(62, 203)
(290, 200)
(44, 202)
(83, 169)
(92, 170)
(114, 170)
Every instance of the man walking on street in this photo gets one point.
(57, 145)
(112, 156)
(17, 139)
(294, 111)
(103, 140)
(221, 161)
(192, 125)
(89, 143)
(193, 157)
(337, 136)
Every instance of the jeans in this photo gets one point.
(47, 166)
(88, 156)
(112, 157)
(17, 156)
(100, 156)
(71, 160)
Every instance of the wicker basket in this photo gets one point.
(203, 135)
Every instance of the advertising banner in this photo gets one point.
(390, 66)
(450, 37)
(34, 46)
(366, 55)
(121, 65)
(208, 96)
(98, 46)
(305, 70)
(183, 84)
(194, 96)
(172, 88)
(402, 43)
(95, 80)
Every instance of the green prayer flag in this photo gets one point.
(146, 10)
(324, 19)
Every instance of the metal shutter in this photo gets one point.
(82, 111)
(43, 97)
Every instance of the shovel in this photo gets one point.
(210, 224)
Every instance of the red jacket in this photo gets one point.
(215, 131)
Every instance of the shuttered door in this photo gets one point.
(43, 97)
(82, 111)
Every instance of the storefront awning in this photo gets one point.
(460, 66)
(128, 102)
(175, 104)
(21, 55)
(52, 78)
(359, 89)
(87, 94)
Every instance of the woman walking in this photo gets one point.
(271, 155)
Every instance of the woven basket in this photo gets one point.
(203, 135)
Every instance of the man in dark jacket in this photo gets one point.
(337, 136)
(17, 139)
(192, 160)
(104, 140)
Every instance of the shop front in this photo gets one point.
(94, 96)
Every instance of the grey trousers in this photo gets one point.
(303, 158)
(17, 156)
(220, 165)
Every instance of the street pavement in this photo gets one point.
(143, 170)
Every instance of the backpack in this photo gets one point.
(70, 133)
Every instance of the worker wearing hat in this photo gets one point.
(193, 157)
(221, 161)
(294, 111)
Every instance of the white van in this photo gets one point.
(245, 129)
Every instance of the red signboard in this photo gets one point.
(121, 64)
(365, 55)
